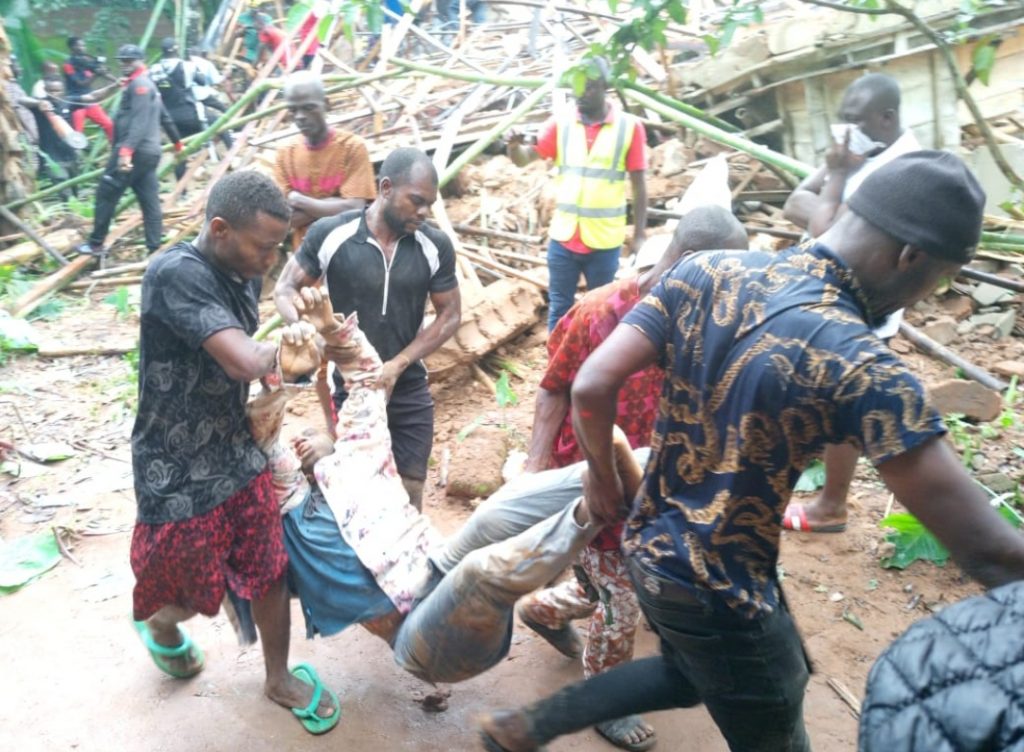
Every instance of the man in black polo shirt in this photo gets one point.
(383, 262)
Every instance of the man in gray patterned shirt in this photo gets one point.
(208, 518)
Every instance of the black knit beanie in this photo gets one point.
(928, 199)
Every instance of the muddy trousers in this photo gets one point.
(611, 608)
(749, 673)
(464, 626)
(143, 181)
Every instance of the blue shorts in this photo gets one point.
(335, 589)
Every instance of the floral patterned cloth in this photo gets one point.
(361, 485)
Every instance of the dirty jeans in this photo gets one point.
(519, 504)
(613, 618)
(464, 626)
(750, 673)
(564, 268)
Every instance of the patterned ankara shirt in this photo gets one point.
(768, 358)
(191, 445)
(586, 325)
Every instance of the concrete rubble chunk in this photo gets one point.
(1009, 368)
(943, 330)
(968, 398)
(1003, 322)
(959, 307)
(997, 482)
(477, 461)
(986, 294)
(671, 158)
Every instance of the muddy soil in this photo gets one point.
(76, 676)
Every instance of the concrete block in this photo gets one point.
(986, 294)
(966, 397)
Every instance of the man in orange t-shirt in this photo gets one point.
(323, 172)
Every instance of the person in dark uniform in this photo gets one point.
(174, 79)
(135, 155)
(80, 72)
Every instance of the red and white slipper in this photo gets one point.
(795, 518)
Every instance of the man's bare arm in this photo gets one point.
(242, 358)
(594, 402)
(293, 278)
(548, 416)
(316, 208)
(448, 314)
(930, 481)
(805, 199)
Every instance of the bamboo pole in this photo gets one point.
(31, 299)
(675, 104)
(520, 82)
(495, 132)
(15, 220)
(763, 153)
(992, 279)
(515, 237)
(154, 19)
(933, 348)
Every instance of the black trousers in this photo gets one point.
(143, 181)
(749, 673)
(411, 424)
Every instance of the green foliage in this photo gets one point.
(737, 16)
(122, 301)
(912, 542)
(812, 478)
(503, 392)
(81, 207)
(984, 58)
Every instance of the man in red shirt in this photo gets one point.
(611, 603)
(593, 148)
(272, 37)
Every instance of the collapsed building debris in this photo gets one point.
(451, 95)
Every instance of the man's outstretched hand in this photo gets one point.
(605, 498)
(314, 305)
(299, 353)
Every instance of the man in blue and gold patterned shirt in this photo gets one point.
(768, 358)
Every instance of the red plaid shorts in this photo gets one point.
(239, 544)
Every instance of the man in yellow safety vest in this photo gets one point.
(593, 148)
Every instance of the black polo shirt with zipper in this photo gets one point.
(390, 298)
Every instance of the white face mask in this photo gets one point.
(860, 143)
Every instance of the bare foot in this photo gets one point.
(631, 732)
(293, 693)
(509, 730)
(311, 446)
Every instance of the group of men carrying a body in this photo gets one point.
(760, 361)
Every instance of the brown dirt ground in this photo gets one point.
(76, 677)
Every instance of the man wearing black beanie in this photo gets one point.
(768, 358)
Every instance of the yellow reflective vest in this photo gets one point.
(592, 185)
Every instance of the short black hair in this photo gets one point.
(239, 197)
(72, 41)
(398, 165)
(709, 228)
(883, 91)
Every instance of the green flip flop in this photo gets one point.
(312, 722)
(160, 653)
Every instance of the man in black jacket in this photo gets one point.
(174, 79)
(135, 156)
